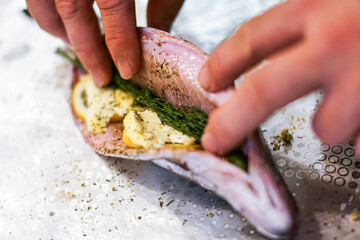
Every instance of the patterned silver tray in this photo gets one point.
(53, 186)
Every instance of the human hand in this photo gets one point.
(309, 44)
(75, 22)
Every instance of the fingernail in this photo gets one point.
(204, 78)
(98, 78)
(209, 142)
(124, 68)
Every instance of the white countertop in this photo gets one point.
(53, 186)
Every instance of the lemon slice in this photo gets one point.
(128, 141)
(79, 99)
(178, 145)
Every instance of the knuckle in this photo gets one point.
(84, 50)
(247, 44)
(113, 38)
(87, 56)
(111, 5)
(334, 37)
(340, 35)
(257, 97)
(309, 4)
(217, 67)
(121, 45)
(68, 9)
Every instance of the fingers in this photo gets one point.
(337, 119)
(286, 78)
(121, 36)
(83, 30)
(77, 20)
(161, 14)
(45, 14)
(255, 40)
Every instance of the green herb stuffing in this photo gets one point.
(190, 121)
(237, 158)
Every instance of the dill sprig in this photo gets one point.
(190, 121)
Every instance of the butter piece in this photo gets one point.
(103, 105)
(144, 129)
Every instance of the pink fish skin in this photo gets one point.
(167, 61)
(170, 67)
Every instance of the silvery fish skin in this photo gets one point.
(170, 67)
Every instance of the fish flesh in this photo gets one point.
(170, 67)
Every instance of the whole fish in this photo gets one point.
(170, 67)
